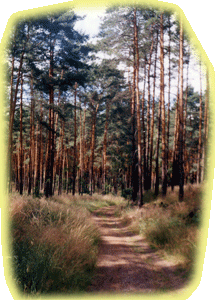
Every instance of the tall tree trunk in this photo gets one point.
(93, 147)
(39, 154)
(164, 167)
(139, 150)
(200, 131)
(32, 144)
(13, 100)
(41, 146)
(11, 120)
(175, 142)
(61, 157)
(81, 157)
(84, 139)
(181, 120)
(134, 173)
(50, 157)
(143, 128)
(16, 167)
(169, 92)
(157, 151)
(25, 166)
(148, 179)
(67, 170)
(131, 105)
(186, 174)
(204, 151)
(75, 150)
(105, 148)
(153, 112)
(56, 165)
(21, 143)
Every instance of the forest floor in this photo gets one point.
(127, 264)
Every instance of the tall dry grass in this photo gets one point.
(170, 226)
(54, 244)
(93, 202)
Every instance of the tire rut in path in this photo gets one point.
(126, 263)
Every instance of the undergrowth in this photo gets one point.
(170, 226)
(55, 242)
(91, 203)
(54, 245)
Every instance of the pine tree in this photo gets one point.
(181, 120)
(164, 161)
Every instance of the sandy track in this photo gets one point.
(126, 263)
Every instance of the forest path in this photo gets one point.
(126, 263)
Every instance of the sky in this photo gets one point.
(90, 26)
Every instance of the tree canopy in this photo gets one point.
(104, 117)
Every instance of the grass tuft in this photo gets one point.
(54, 245)
(170, 226)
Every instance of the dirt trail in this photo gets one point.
(126, 263)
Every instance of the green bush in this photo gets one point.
(127, 193)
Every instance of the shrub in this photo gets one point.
(127, 193)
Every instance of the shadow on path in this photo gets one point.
(127, 264)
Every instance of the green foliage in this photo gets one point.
(127, 193)
(149, 196)
(34, 267)
(163, 231)
(100, 83)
